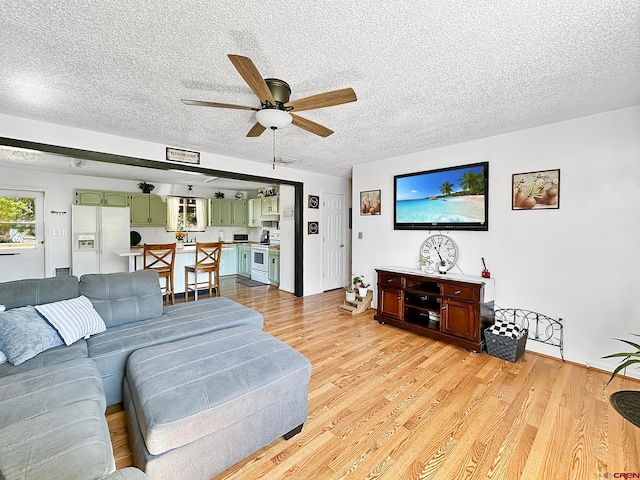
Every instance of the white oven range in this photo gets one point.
(259, 263)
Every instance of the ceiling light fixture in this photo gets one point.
(273, 118)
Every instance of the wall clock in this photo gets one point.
(313, 228)
(314, 201)
(440, 247)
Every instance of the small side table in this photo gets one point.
(627, 404)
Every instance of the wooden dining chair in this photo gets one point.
(207, 261)
(161, 257)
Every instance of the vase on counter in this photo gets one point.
(179, 244)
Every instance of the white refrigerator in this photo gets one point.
(99, 234)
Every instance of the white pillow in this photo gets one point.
(73, 319)
(3, 358)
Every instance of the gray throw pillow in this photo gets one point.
(24, 334)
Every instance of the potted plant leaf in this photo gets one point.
(628, 358)
(442, 268)
(350, 294)
(626, 402)
(146, 187)
(363, 289)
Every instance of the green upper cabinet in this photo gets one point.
(269, 205)
(254, 212)
(227, 213)
(147, 210)
(99, 198)
(239, 212)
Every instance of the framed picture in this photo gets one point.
(370, 202)
(314, 201)
(313, 228)
(535, 190)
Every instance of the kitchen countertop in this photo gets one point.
(136, 250)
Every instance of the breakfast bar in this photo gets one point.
(184, 256)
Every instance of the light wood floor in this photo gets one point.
(389, 404)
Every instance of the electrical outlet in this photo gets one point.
(359, 235)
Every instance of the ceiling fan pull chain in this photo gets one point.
(274, 146)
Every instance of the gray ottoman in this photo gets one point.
(198, 405)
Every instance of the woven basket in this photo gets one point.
(506, 348)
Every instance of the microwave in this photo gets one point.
(241, 237)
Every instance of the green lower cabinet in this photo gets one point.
(229, 260)
(244, 261)
(274, 266)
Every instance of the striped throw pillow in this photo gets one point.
(73, 319)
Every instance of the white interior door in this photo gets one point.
(21, 235)
(333, 244)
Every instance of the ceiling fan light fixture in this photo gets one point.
(272, 117)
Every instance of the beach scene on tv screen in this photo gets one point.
(450, 196)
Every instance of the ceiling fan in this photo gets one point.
(275, 108)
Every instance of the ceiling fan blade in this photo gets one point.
(256, 130)
(310, 126)
(251, 75)
(328, 99)
(217, 105)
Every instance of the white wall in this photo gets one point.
(580, 262)
(41, 132)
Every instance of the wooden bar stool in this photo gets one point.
(161, 257)
(207, 261)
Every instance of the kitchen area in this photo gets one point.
(248, 227)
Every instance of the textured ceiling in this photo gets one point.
(427, 73)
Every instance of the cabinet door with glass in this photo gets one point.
(186, 214)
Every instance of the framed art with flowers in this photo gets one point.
(536, 190)
(370, 202)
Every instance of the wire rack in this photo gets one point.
(541, 328)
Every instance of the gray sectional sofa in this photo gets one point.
(52, 406)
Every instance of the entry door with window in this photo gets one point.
(21, 235)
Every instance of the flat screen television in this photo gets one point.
(452, 198)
